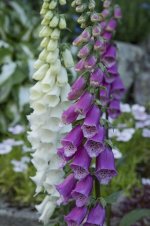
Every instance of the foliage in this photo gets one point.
(18, 46)
(134, 26)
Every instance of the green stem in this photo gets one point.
(108, 214)
(97, 189)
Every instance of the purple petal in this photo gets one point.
(69, 116)
(84, 104)
(77, 88)
(76, 216)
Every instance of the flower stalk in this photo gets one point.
(48, 99)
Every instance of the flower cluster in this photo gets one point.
(48, 99)
(96, 92)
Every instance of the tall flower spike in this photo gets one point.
(48, 99)
(96, 98)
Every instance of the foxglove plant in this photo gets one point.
(96, 94)
(48, 100)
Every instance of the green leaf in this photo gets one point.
(21, 13)
(134, 216)
(5, 90)
(7, 71)
(113, 197)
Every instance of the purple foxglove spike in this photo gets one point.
(105, 13)
(77, 88)
(117, 12)
(72, 141)
(69, 116)
(86, 35)
(114, 109)
(100, 45)
(84, 51)
(111, 26)
(80, 167)
(76, 216)
(107, 35)
(96, 77)
(96, 30)
(80, 65)
(90, 62)
(107, 3)
(95, 145)
(82, 191)
(117, 89)
(105, 166)
(96, 217)
(66, 187)
(63, 158)
(91, 122)
(84, 104)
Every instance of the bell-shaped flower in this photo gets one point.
(104, 94)
(62, 157)
(111, 26)
(117, 12)
(48, 81)
(110, 55)
(66, 187)
(96, 77)
(84, 51)
(52, 56)
(96, 216)
(95, 145)
(62, 78)
(90, 62)
(69, 115)
(80, 167)
(105, 166)
(80, 65)
(91, 124)
(77, 88)
(72, 141)
(112, 73)
(41, 72)
(117, 88)
(82, 191)
(84, 104)
(36, 91)
(68, 59)
(76, 216)
(114, 109)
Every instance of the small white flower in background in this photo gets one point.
(26, 149)
(146, 133)
(117, 153)
(145, 181)
(5, 149)
(19, 166)
(125, 107)
(140, 124)
(114, 133)
(126, 135)
(16, 129)
(139, 112)
(13, 142)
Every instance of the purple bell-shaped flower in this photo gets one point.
(70, 115)
(72, 141)
(114, 109)
(105, 166)
(80, 164)
(82, 191)
(77, 88)
(76, 216)
(84, 104)
(96, 77)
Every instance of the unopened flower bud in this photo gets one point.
(40, 73)
(62, 2)
(52, 56)
(96, 30)
(43, 11)
(45, 5)
(45, 32)
(95, 17)
(82, 19)
(92, 5)
(55, 34)
(107, 3)
(62, 23)
(54, 22)
(49, 15)
(52, 45)
(68, 59)
(53, 4)
(117, 12)
(43, 55)
(78, 2)
(81, 8)
(44, 42)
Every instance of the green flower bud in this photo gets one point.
(92, 5)
(45, 22)
(52, 56)
(53, 4)
(45, 5)
(81, 8)
(38, 63)
(55, 34)
(62, 23)
(78, 2)
(43, 55)
(62, 2)
(43, 11)
(45, 32)
(73, 4)
(44, 42)
(68, 59)
(52, 45)
(54, 22)
(49, 15)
